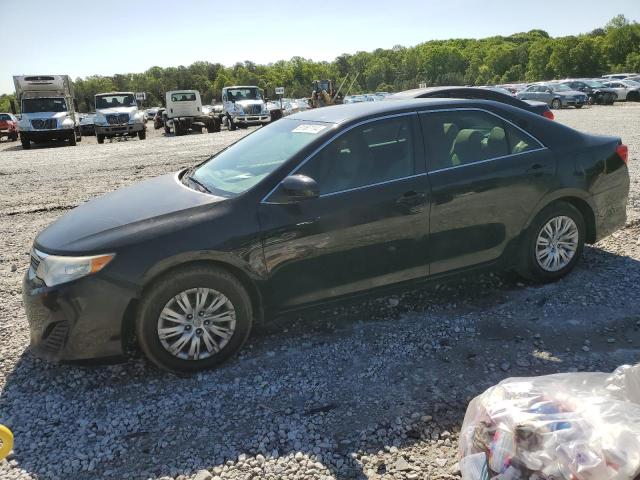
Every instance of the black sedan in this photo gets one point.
(477, 93)
(319, 206)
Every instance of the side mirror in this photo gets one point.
(296, 188)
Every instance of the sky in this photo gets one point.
(82, 38)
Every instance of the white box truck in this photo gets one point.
(117, 115)
(184, 112)
(244, 106)
(47, 109)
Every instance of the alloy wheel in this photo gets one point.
(557, 243)
(196, 324)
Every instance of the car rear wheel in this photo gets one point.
(72, 139)
(554, 243)
(194, 319)
(578, 105)
(556, 104)
(142, 134)
(100, 138)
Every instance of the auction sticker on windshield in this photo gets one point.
(313, 129)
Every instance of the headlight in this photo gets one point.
(54, 270)
(68, 123)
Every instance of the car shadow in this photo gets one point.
(353, 387)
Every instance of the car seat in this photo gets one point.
(467, 147)
(495, 145)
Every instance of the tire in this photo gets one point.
(142, 134)
(100, 139)
(26, 144)
(556, 104)
(213, 126)
(579, 106)
(232, 126)
(531, 267)
(13, 138)
(633, 97)
(72, 139)
(162, 295)
(167, 130)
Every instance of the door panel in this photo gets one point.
(346, 242)
(485, 182)
(478, 209)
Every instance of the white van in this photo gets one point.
(184, 113)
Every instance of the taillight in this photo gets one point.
(549, 114)
(623, 152)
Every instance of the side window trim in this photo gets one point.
(427, 148)
(419, 168)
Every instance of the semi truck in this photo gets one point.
(47, 109)
(244, 106)
(184, 113)
(118, 115)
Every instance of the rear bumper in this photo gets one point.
(610, 206)
(76, 321)
(112, 130)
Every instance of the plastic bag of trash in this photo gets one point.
(568, 426)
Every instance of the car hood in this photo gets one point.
(107, 111)
(117, 217)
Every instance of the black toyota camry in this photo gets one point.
(319, 206)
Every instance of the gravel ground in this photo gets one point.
(375, 389)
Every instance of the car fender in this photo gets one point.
(555, 195)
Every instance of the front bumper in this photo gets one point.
(110, 130)
(46, 135)
(79, 320)
(251, 119)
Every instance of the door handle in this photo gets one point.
(411, 198)
(535, 169)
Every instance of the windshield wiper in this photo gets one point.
(202, 187)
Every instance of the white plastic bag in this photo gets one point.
(568, 426)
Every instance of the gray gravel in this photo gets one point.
(376, 389)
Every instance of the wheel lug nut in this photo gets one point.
(201, 314)
(187, 328)
(206, 322)
(199, 331)
(189, 316)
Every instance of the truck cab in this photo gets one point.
(48, 110)
(184, 113)
(243, 106)
(117, 115)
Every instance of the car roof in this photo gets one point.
(115, 93)
(354, 111)
(420, 91)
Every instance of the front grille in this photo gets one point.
(252, 109)
(117, 119)
(44, 123)
(56, 336)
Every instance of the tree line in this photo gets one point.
(521, 57)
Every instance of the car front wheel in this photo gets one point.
(193, 319)
(556, 104)
(554, 243)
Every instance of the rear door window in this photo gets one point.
(460, 137)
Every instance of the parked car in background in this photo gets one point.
(596, 91)
(87, 125)
(556, 95)
(320, 206)
(618, 76)
(151, 113)
(635, 79)
(481, 93)
(625, 89)
(9, 127)
(160, 118)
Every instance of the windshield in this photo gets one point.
(4, 117)
(250, 93)
(558, 87)
(112, 101)
(35, 105)
(245, 163)
(183, 97)
(593, 83)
